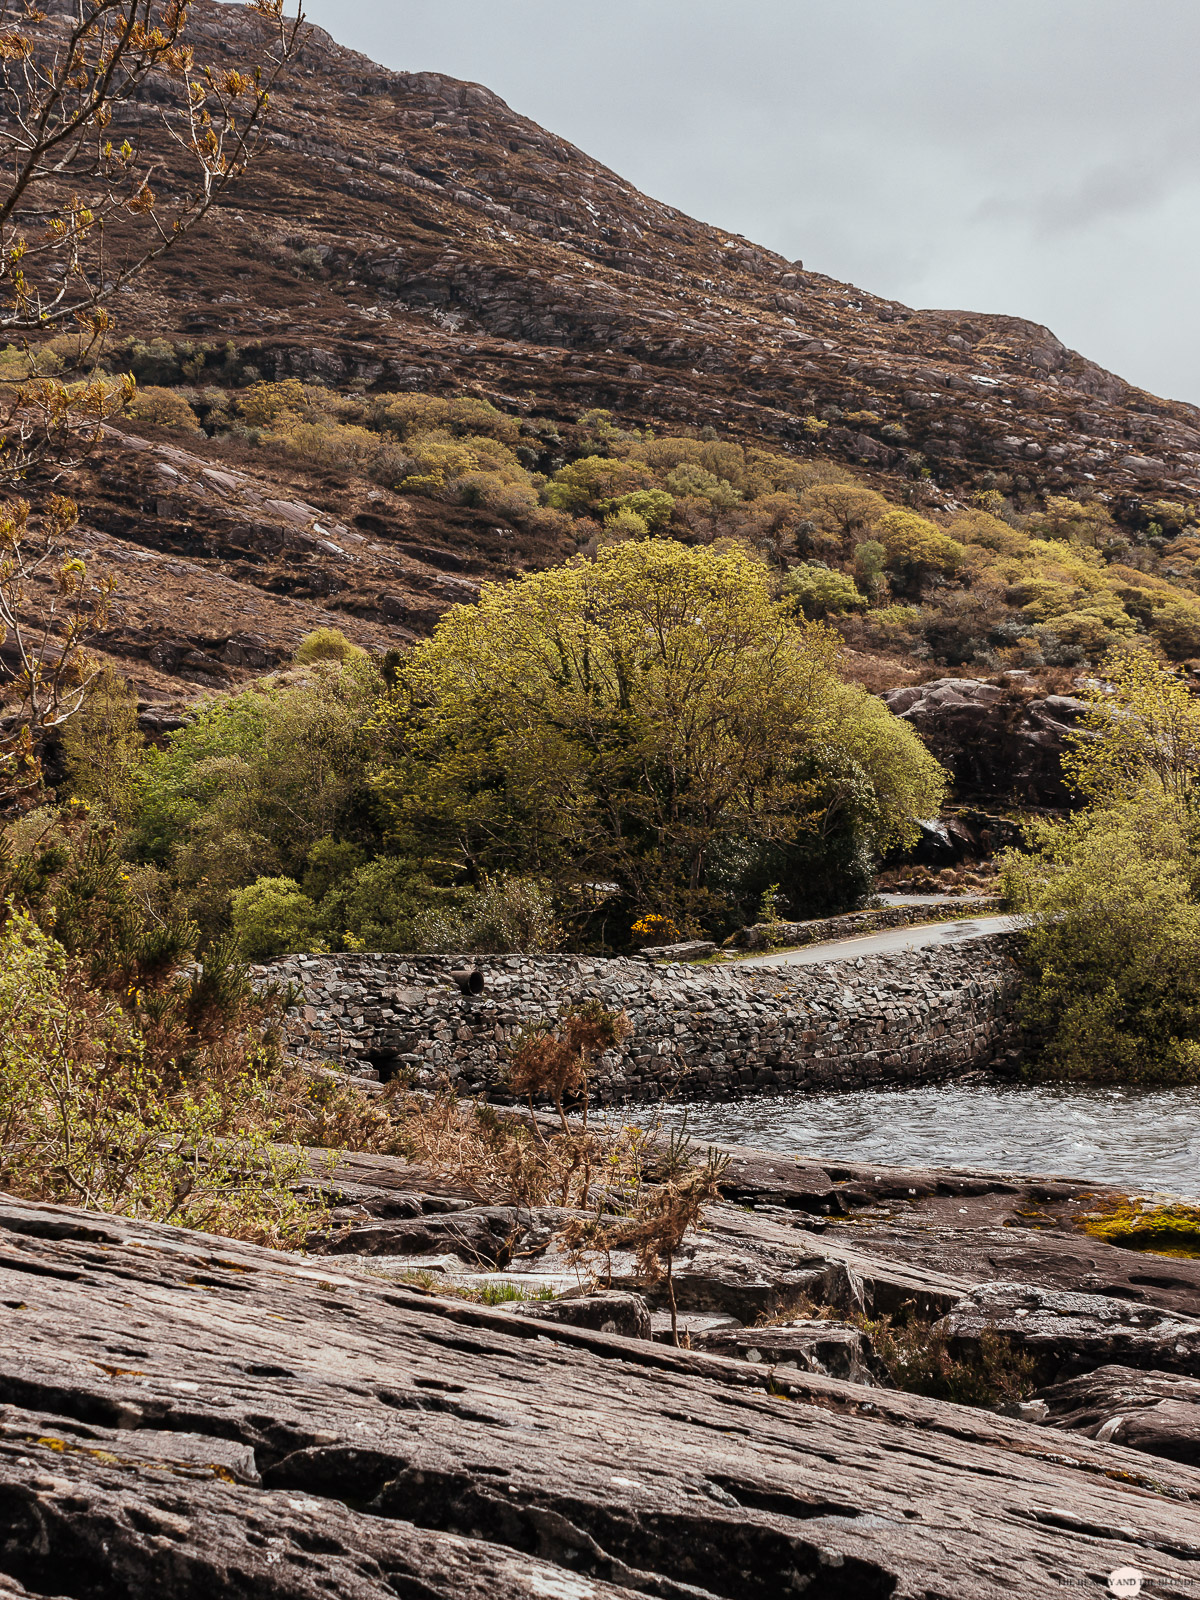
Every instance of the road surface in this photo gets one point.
(887, 942)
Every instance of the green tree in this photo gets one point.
(914, 543)
(1142, 732)
(256, 779)
(615, 720)
(101, 745)
(593, 485)
(654, 506)
(821, 592)
(1113, 941)
(870, 557)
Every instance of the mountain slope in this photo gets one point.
(444, 241)
(407, 232)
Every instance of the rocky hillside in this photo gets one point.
(445, 241)
(404, 232)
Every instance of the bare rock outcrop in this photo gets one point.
(1158, 1412)
(407, 1445)
(1067, 1333)
(1000, 744)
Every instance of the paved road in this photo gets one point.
(891, 939)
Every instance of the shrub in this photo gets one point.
(273, 917)
(328, 445)
(691, 481)
(255, 780)
(1176, 627)
(380, 905)
(841, 510)
(326, 644)
(265, 405)
(595, 484)
(913, 543)
(508, 915)
(653, 506)
(919, 1358)
(869, 560)
(406, 414)
(101, 744)
(626, 525)
(1113, 943)
(165, 408)
(129, 1082)
(820, 592)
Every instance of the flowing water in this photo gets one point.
(1144, 1139)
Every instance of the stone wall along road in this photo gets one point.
(697, 1032)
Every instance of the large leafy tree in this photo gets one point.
(623, 720)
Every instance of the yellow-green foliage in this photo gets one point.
(326, 644)
(595, 483)
(913, 542)
(822, 593)
(165, 408)
(1141, 736)
(1113, 945)
(616, 717)
(101, 744)
(1159, 1230)
(144, 1098)
(273, 917)
(328, 445)
(1046, 585)
(409, 414)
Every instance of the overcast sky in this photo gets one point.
(1034, 157)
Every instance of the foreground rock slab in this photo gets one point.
(1158, 1412)
(406, 1445)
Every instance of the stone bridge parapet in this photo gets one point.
(911, 1017)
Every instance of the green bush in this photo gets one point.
(130, 1080)
(654, 506)
(255, 780)
(273, 917)
(821, 592)
(378, 905)
(1113, 943)
(101, 745)
(508, 915)
(326, 644)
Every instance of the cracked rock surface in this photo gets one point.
(408, 1445)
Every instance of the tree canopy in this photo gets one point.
(623, 720)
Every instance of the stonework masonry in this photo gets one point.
(697, 1033)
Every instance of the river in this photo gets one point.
(1143, 1139)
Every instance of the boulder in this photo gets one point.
(835, 1349)
(689, 950)
(1000, 744)
(607, 1311)
(1068, 1333)
(249, 650)
(485, 1235)
(1158, 1412)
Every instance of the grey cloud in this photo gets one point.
(994, 155)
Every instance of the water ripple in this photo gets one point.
(1147, 1139)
